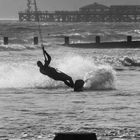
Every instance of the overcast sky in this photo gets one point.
(10, 8)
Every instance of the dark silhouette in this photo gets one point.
(130, 62)
(53, 72)
(79, 85)
(75, 136)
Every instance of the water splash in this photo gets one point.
(27, 75)
(95, 76)
(102, 78)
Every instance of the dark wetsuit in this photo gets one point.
(130, 62)
(54, 73)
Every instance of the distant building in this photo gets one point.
(90, 13)
(95, 7)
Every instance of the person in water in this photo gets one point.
(130, 62)
(53, 72)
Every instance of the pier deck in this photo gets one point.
(91, 13)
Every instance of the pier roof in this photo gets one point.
(94, 6)
(125, 6)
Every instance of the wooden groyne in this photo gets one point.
(6, 40)
(98, 44)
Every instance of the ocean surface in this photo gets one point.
(35, 107)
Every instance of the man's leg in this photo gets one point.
(69, 82)
(66, 79)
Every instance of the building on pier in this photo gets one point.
(90, 13)
(95, 7)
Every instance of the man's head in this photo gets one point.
(39, 63)
(129, 60)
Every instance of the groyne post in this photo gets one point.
(97, 39)
(67, 40)
(75, 136)
(5, 40)
(36, 40)
(129, 39)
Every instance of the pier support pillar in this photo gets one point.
(97, 39)
(129, 39)
(67, 40)
(35, 40)
(5, 40)
(75, 136)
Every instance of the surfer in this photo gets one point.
(130, 62)
(53, 72)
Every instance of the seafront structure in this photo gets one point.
(90, 13)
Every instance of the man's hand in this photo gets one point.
(43, 48)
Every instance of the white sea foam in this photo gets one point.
(102, 78)
(18, 75)
(27, 75)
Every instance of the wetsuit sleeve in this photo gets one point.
(48, 59)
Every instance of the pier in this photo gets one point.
(90, 13)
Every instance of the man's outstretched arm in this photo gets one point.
(48, 56)
(48, 59)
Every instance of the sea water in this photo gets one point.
(33, 106)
